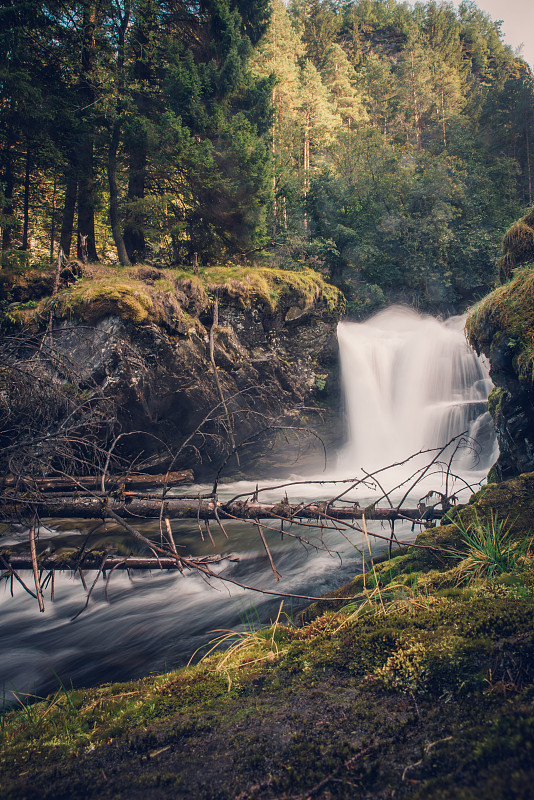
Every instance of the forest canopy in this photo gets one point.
(384, 144)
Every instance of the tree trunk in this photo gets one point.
(26, 212)
(53, 221)
(114, 216)
(306, 168)
(443, 119)
(7, 211)
(66, 562)
(63, 484)
(138, 507)
(67, 223)
(85, 154)
(417, 123)
(86, 190)
(134, 230)
(274, 180)
(134, 236)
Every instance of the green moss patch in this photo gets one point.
(517, 245)
(506, 317)
(171, 297)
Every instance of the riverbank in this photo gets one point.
(418, 682)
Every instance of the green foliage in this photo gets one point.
(398, 136)
(491, 549)
(16, 260)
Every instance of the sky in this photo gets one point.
(518, 23)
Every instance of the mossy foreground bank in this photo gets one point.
(421, 684)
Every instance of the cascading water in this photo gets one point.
(412, 382)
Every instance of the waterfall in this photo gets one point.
(412, 382)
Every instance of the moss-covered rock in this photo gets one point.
(517, 246)
(502, 327)
(144, 335)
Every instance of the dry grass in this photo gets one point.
(244, 649)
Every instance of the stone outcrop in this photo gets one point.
(148, 340)
(502, 327)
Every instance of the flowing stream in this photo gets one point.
(410, 383)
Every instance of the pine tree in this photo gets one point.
(318, 122)
(415, 92)
(278, 54)
(340, 78)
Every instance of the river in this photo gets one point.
(410, 383)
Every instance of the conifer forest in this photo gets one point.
(388, 146)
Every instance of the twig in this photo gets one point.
(17, 577)
(102, 565)
(35, 569)
(275, 571)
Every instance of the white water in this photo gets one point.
(411, 382)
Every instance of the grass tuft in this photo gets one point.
(491, 549)
(246, 648)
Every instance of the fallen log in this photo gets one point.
(113, 482)
(177, 508)
(91, 562)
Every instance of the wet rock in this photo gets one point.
(502, 327)
(163, 382)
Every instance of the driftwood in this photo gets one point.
(141, 507)
(27, 504)
(65, 484)
(112, 562)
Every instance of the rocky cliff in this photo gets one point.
(502, 327)
(246, 348)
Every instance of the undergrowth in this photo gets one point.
(491, 549)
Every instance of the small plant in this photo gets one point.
(491, 549)
(246, 648)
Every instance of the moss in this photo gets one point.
(506, 265)
(271, 286)
(92, 299)
(313, 717)
(145, 294)
(495, 401)
(517, 246)
(512, 500)
(518, 242)
(506, 317)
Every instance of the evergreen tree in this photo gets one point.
(278, 54)
(340, 78)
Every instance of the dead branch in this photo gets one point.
(35, 569)
(114, 483)
(14, 561)
(214, 326)
(177, 508)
